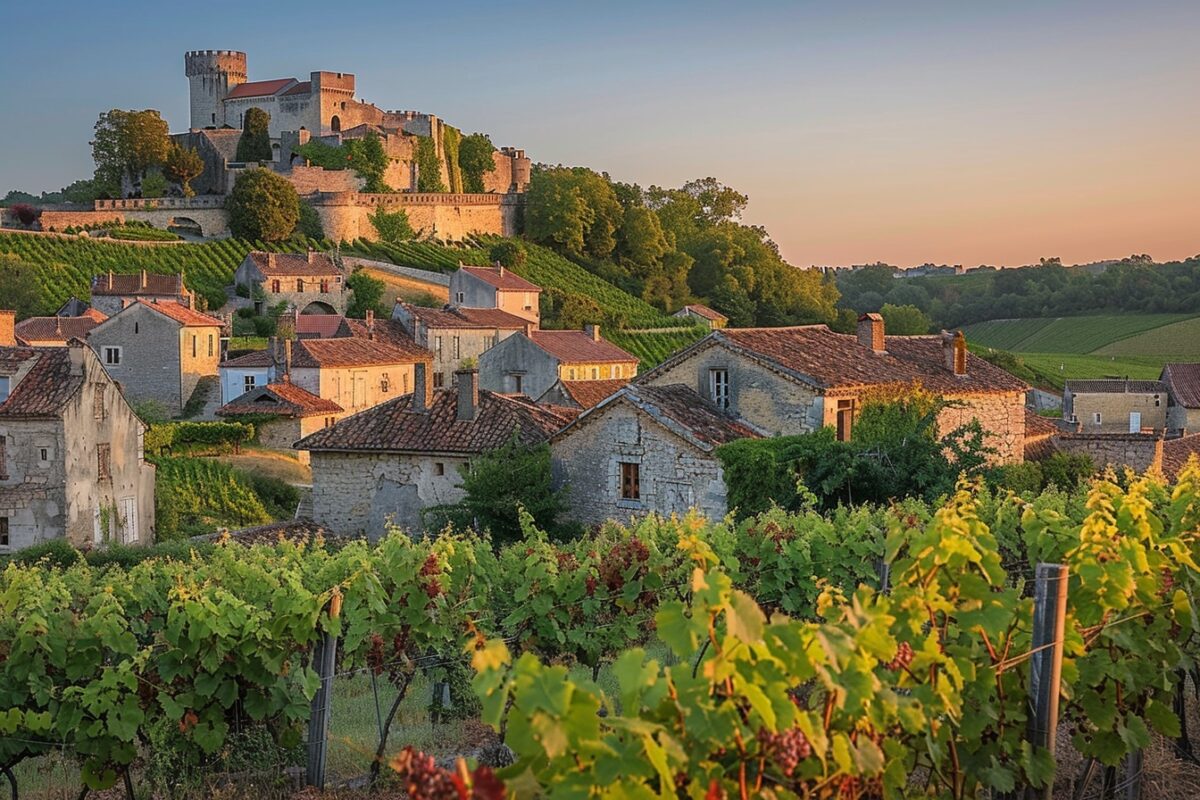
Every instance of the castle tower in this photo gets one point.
(212, 74)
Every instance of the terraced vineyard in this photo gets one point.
(653, 348)
(66, 266)
(1066, 334)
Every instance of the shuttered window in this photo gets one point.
(630, 481)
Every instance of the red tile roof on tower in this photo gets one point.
(577, 347)
(56, 329)
(466, 318)
(46, 387)
(303, 87)
(137, 283)
(815, 355)
(589, 393)
(183, 315)
(393, 427)
(1183, 381)
(706, 312)
(310, 264)
(501, 277)
(680, 410)
(259, 88)
(283, 398)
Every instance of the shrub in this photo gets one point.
(392, 226)
(193, 437)
(510, 253)
(263, 206)
(154, 185)
(503, 483)
(25, 213)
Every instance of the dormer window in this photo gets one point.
(718, 387)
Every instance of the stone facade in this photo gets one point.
(472, 291)
(356, 388)
(345, 216)
(517, 366)
(154, 357)
(1138, 451)
(1183, 420)
(50, 481)
(361, 493)
(283, 432)
(304, 292)
(674, 475)
(1116, 412)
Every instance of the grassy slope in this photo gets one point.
(1179, 340)
(652, 349)
(1085, 334)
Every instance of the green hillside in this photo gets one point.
(653, 348)
(1067, 334)
(1178, 340)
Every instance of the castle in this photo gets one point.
(324, 108)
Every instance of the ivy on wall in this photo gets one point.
(451, 137)
(429, 173)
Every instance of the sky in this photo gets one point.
(958, 131)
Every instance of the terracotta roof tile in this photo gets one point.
(576, 347)
(303, 87)
(258, 88)
(706, 312)
(589, 393)
(137, 283)
(48, 384)
(1116, 386)
(394, 427)
(501, 278)
(391, 333)
(817, 356)
(185, 316)
(283, 398)
(94, 314)
(1176, 453)
(1183, 381)
(257, 358)
(357, 351)
(310, 264)
(55, 329)
(464, 318)
(680, 410)
(1037, 426)
(322, 326)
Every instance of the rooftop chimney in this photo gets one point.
(8, 335)
(75, 355)
(870, 333)
(287, 358)
(500, 267)
(593, 332)
(370, 323)
(270, 260)
(954, 352)
(468, 394)
(422, 397)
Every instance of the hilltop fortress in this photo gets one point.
(324, 108)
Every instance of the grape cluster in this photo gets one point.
(1168, 583)
(787, 748)
(431, 569)
(904, 657)
(425, 780)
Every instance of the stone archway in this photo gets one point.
(335, 123)
(318, 307)
(185, 225)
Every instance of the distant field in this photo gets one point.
(1055, 368)
(1177, 341)
(1068, 334)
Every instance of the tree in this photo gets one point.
(183, 165)
(263, 206)
(154, 184)
(574, 210)
(369, 161)
(640, 240)
(475, 160)
(255, 141)
(310, 222)
(367, 295)
(19, 286)
(509, 253)
(25, 213)
(392, 226)
(126, 144)
(502, 482)
(904, 320)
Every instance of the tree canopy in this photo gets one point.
(126, 145)
(475, 160)
(263, 206)
(183, 165)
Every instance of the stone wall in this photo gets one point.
(308, 180)
(360, 493)
(1182, 421)
(674, 476)
(53, 220)
(1138, 451)
(449, 217)
(281, 433)
(1002, 417)
(517, 356)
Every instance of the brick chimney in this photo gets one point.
(8, 334)
(270, 261)
(75, 357)
(954, 352)
(371, 323)
(593, 332)
(287, 358)
(468, 394)
(870, 333)
(422, 398)
(500, 268)
(529, 328)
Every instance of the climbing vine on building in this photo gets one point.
(429, 172)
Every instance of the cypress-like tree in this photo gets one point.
(255, 143)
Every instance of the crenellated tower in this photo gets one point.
(212, 74)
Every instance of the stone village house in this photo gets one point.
(796, 380)
(112, 292)
(389, 463)
(158, 351)
(457, 334)
(308, 282)
(495, 287)
(646, 448)
(56, 331)
(297, 413)
(1116, 406)
(531, 363)
(701, 314)
(71, 462)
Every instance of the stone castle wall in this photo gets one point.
(52, 220)
(1138, 451)
(346, 216)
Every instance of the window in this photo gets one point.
(616, 371)
(1096, 418)
(439, 468)
(324, 286)
(437, 346)
(571, 374)
(299, 284)
(385, 384)
(595, 373)
(527, 302)
(104, 461)
(210, 345)
(275, 286)
(1157, 401)
(194, 337)
(329, 422)
(845, 419)
(4, 532)
(135, 327)
(112, 356)
(3, 458)
(457, 352)
(248, 383)
(98, 401)
(518, 383)
(630, 481)
(460, 297)
(44, 455)
(439, 380)
(718, 387)
(3, 388)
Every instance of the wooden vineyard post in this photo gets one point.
(1045, 666)
(324, 658)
